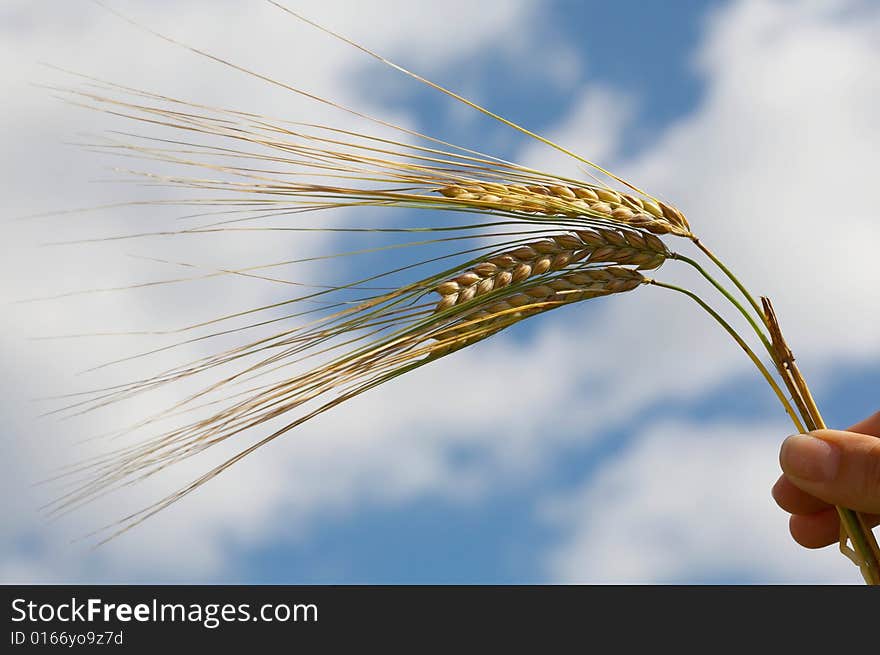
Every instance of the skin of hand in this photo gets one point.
(824, 468)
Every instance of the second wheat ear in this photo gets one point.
(538, 241)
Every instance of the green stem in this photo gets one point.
(742, 310)
(790, 384)
(739, 285)
(742, 344)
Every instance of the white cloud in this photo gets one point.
(688, 501)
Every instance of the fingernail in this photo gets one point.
(809, 458)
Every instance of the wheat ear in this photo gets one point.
(596, 245)
(501, 311)
(562, 200)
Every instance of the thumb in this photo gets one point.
(841, 468)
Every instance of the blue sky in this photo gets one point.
(653, 62)
(577, 472)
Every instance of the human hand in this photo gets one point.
(825, 468)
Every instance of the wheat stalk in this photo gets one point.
(540, 241)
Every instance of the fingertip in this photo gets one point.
(775, 490)
(816, 530)
(810, 458)
(794, 500)
(842, 468)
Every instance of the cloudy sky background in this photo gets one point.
(625, 440)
